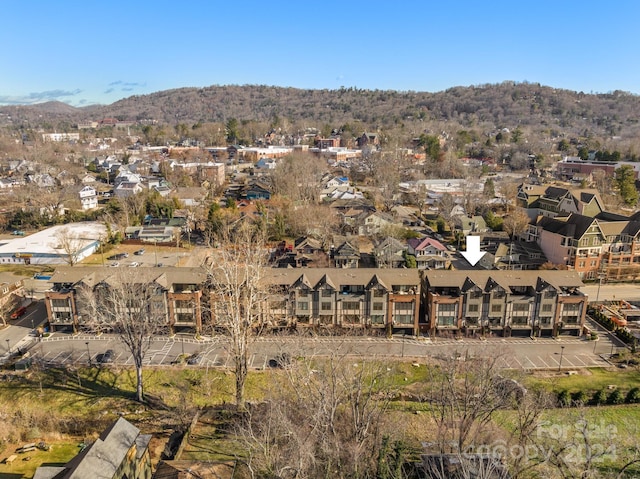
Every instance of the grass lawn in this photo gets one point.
(59, 455)
(590, 380)
(94, 397)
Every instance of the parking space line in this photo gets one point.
(578, 358)
(532, 363)
(543, 362)
(519, 363)
(566, 358)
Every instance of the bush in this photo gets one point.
(564, 398)
(633, 396)
(615, 397)
(599, 397)
(579, 398)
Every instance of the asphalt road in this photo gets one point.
(628, 291)
(517, 353)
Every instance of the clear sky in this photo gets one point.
(84, 52)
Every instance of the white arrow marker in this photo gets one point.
(473, 253)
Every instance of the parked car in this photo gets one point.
(18, 313)
(114, 264)
(118, 256)
(134, 264)
(106, 357)
(280, 361)
(139, 252)
(195, 359)
(18, 233)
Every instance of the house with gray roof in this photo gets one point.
(120, 452)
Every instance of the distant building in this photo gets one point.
(88, 198)
(60, 136)
(44, 247)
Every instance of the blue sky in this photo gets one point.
(99, 52)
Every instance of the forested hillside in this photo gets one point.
(543, 111)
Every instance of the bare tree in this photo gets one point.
(70, 245)
(239, 293)
(446, 205)
(298, 177)
(463, 396)
(320, 417)
(509, 191)
(131, 304)
(515, 223)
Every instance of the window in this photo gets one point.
(303, 306)
(549, 294)
(581, 264)
(58, 304)
(378, 293)
(182, 304)
(351, 305)
(547, 308)
(325, 306)
(447, 308)
(377, 319)
(496, 308)
(594, 262)
(303, 293)
(472, 308)
(521, 307)
(584, 242)
(378, 306)
(326, 293)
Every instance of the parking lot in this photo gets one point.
(525, 354)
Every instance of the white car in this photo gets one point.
(135, 264)
(115, 264)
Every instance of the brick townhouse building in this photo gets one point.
(442, 302)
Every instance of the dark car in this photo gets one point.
(195, 359)
(139, 252)
(280, 361)
(106, 357)
(118, 256)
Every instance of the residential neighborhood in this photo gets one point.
(260, 250)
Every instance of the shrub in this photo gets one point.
(564, 398)
(579, 397)
(615, 397)
(599, 397)
(633, 396)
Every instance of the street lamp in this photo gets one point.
(88, 353)
(561, 353)
(600, 277)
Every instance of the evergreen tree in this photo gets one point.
(626, 181)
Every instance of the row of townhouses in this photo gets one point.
(442, 302)
(573, 229)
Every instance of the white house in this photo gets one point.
(88, 198)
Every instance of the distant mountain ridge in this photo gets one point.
(506, 104)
